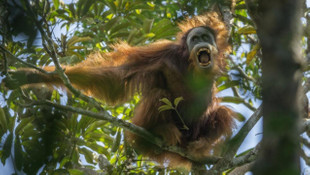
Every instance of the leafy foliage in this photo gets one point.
(44, 140)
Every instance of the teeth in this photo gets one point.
(204, 64)
(203, 49)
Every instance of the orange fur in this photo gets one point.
(163, 69)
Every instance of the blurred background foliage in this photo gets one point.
(43, 140)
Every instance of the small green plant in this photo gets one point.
(168, 106)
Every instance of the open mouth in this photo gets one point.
(204, 57)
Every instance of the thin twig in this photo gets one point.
(242, 73)
(22, 61)
(248, 105)
(47, 41)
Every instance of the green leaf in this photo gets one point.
(117, 141)
(131, 35)
(29, 131)
(95, 125)
(76, 47)
(168, 15)
(87, 154)
(23, 124)
(164, 108)
(150, 35)
(98, 136)
(121, 27)
(76, 172)
(62, 14)
(116, 4)
(56, 4)
(239, 117)
(147, 25)
(86, 6)
(164, 28)
(177, 101)
(75, 156)
(246, 30)
(7, 148)
(72, 10)
(112, 22)
(230, 99)
(227, 85)
(55, 95)
(120, 35)
(98, 148)
(138, 11)
(245, 152)
(60, 171)
(79, 7)
(76, 39)
(64, 161)
(110, 16)
(3, 121)
(166, 101)
(111, 5)
(18, 153)
(252, 53)
(151, 4)
(84, 123)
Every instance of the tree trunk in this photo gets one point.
(278, 28)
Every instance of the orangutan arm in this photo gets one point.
(104, 83)
(112, 84)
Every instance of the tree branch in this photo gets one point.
(305, 125)
(22, 61)
(232, 146)
(226, 164)
(47, 41)
(130, 127)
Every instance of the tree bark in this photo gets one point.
(279, 28)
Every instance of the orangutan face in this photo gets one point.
(202, 47)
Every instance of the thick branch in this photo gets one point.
(226, 164)
(130, 127)
(247, 158)
(234, 144)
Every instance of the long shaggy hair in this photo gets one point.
(163, 69)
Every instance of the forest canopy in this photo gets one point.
(50, 129)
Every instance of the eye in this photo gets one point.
(194, 38)
(206, 37)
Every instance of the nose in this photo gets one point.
(200, 39)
